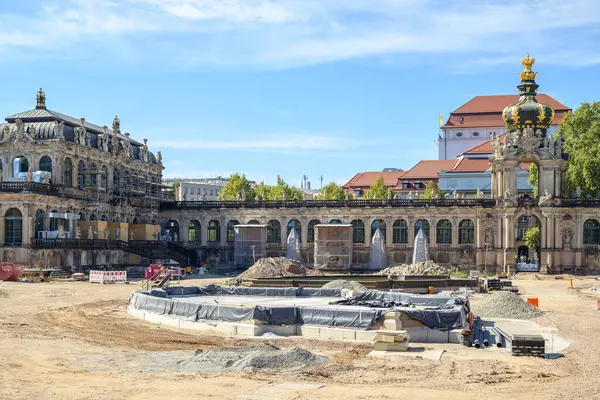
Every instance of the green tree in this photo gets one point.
(378, 191)
(261, 191)
(332, 191)
(532, 237)
(534, 173)
(176, 184)
(237, 187)
(581, 131)
(284, 191)
(432, 191)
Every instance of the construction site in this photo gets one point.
(261, 335)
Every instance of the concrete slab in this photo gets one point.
(435, 355)
(308, 331)
(554, 343)
(337, 334)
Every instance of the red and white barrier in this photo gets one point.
(103, 277)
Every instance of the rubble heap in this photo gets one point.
(419, 268)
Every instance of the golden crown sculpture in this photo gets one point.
(528, 74)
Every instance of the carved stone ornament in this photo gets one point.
(567, 229)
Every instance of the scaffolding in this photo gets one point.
(250, 244)
(333, 246)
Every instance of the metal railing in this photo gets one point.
(357, 203)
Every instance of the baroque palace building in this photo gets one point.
(103, 180)
(63, 178)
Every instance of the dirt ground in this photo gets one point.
(50, 333)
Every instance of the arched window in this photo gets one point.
(103, 176)
(92, 217)
(39, 222)
(46, 164)
(54, 221)
(253, 222)
(80, 175)
(311, 230)
(295, 224)
(466, 232)
(194, 231)
(171, 230)
(214, 231)
(422, 224)
(444, 232)
(93, 179)
(358, 231)
(136, 220)
(336, 221)
(103, 218)
(378, 223)
(273, 231)
(231, 230)
(13, 227)
(591, 232)
(400, 231)
(21, 165)
(68, 173)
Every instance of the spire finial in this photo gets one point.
(41, 100)
(116, 126)
(528, 74)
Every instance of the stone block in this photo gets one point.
(197, 326)
(226, 328)
(308, 331)
(454, 336)
(395, 346)
(434, 336)
(337, 334)
(365, 336)
(392, 324)
(417, 335)
(280, 330)
(249, 330)
(379, 337)
(162, 319)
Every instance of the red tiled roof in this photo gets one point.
(471, 165)
(428, 169)
(486, 111)
(483, 148)
(497, 103)
(367, 179)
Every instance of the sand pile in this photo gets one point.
(342, 284)
(420, 268)
(273, 267)
(504, 305)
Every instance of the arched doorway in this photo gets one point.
(231, 230)
(424, 225)
(294, 224)
(311, 230)
(20, 165)
(13, 227)
(358, 231)
(273, 231)
(527, 242)
(194, 231)
(378, 224)
(214, 231)
(46, 164)
(171, 230)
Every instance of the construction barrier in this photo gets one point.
(108, 276)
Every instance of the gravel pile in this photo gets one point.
(420, 268)
(262, 357)
(504, 305)
(273, 267)
(342, 284)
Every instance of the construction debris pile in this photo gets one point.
(420, 268)
(504, 305)
(273, 267)
(342, 284)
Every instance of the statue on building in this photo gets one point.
(159, 158)
(77, 232)
(545, 198)
(507, 141)
(61, 232)
(548, 142)
(127, 146)
(105, 233)
(103, 140)
(567, 238)
(115, 143)
(144, 151)
(417, 196)
(90, 233)
(118, 233)
(410, 195)
(489, 237)
(30, 174)
(496, 146)
(116, 125)
(155, 235)
(479, 194)
(5, 133)
(131, 235)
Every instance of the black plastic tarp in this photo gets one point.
(214, 290)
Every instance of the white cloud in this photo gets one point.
(288, 33)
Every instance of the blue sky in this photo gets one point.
(289, 87)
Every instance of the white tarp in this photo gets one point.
(293, 246)
(378, 254)
(421, 250)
